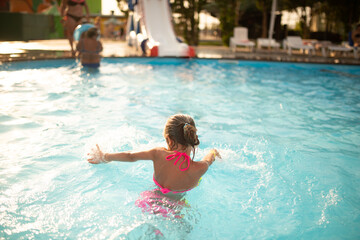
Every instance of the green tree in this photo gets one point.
(265, 7)
(189, 12)
(227, 11)
(305, 16)
(347, 12)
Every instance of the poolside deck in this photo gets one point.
(59, 48)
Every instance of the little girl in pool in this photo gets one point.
(174, 170)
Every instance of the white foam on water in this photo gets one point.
(330, 199)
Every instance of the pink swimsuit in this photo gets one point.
(176, 155)
(155, 203)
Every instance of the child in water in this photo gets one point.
(89, 48)
(174, 171)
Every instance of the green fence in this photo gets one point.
(27, 26)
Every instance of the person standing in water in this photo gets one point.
(72, 14)
(89, 48)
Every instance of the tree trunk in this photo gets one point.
(305, 28)
(264, 21)
(190, 19)
(237, 10)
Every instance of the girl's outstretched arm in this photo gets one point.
(97, 156)
(209, 158)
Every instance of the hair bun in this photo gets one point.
(190, 135)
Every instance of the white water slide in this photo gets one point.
(151, 20)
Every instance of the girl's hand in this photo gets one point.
(215, 153)
(96, 156)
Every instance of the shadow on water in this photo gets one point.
(145, 231)
(344, 74)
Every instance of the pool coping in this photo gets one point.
(59, 49)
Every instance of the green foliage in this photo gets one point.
(305, 19)
(210, 43)
(227, 12)
(346, 12)
(261, 4)
(189, 11)
(265, 7)
(298, 27)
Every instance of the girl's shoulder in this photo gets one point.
(161, 150)
(200, 167)
(160, 153)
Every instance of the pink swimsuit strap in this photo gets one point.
(176, 155)
(166, 190)
(179, 155)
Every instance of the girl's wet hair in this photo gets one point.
(181, 129)
(92, 32)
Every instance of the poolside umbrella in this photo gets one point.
(272, 19)
(80, 29)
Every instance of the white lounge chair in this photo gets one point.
(329, 47)
(265, 42)
(294, 42)
(340, 49)
(240, 38)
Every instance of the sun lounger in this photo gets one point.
(295, 42)
(265, 42)
(340, 48)
(329, 47)
(240, 38)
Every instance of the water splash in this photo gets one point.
(330, 199)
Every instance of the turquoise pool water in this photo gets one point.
(289, 135)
